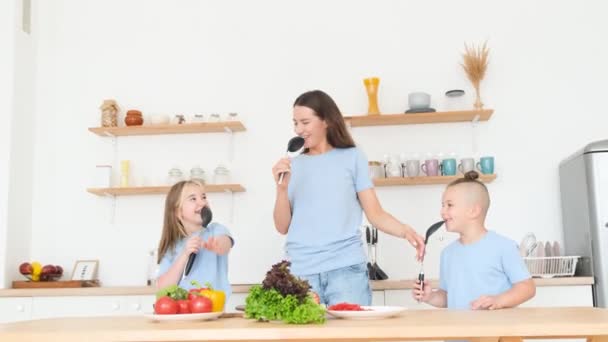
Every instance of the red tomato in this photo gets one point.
(200, 305)
(166, 306)
(184, 306)
(193, 293)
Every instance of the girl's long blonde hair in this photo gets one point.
(173, 229)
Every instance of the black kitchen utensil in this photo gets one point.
(370, 264)
(207, 216)
(295, 147)
(432, 229)
(380, 274)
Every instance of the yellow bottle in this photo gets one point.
(124, 173)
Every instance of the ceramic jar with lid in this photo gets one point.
(376, 170)
(221, 175)
(196, 173)
(175, 175)
(134, 118)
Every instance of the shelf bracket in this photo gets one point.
(231, 204)
(112, 206)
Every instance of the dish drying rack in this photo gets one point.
(549, 267)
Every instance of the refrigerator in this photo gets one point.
(583, 180)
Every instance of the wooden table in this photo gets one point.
(485, 326)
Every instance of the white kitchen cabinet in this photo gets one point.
(14, 309)
(378, 297)
(553, 296)
(403, 298)
(79, 306)
(234, 300)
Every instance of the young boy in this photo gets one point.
(481, 270)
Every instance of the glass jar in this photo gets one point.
(175, 175)
(232, 116)
(376, 170)
(214, 117)
(198, 118)
(196, 173)
(221, 175)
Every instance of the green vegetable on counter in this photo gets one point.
(271, 305)
(282, 296)
(173, 291)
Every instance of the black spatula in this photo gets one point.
(207, 216)
(428, 234)
(295, 147)
(380, 274)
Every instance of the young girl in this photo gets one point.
(184, 234)
(482, 270)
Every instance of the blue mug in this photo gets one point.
(448, 167)
(486, 165)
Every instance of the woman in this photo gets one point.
(320, 201)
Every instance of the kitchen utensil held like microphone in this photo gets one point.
(428, 234)
(207, 216)
(295, 147)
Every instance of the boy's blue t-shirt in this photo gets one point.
(324, 233)
(489, 266)
(207, 267)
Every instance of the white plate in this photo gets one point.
(184, 317)
(371, 312)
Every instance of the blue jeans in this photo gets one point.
(347, 284)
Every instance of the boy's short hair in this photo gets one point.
(470, 178)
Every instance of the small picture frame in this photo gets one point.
(85, 270)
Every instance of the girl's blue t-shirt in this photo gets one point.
(324, 233)
(489, 266)
(208, 266)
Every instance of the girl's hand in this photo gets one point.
(193, 245)
(282, 166)
(486, 303)
(422, 295)
(416, 241)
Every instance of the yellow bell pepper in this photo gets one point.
(217, 297)
(36, 270)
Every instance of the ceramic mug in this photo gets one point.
(412, 168)
(430, 167)
(486, 165)
(448, 167)
(466, 165)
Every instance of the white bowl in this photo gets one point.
(159, 119)
(419, 100)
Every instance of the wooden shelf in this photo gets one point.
(159, 190)
(418, 118)
(426, 180)
(202, 127)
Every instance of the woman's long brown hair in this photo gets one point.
(326, 109)
(173, 230)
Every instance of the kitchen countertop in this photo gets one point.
(484, 325)
(404, 284)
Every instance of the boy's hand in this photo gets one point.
(486, 303)
(422, 295)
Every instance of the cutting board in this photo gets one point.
(54, 284)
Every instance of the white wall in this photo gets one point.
(545, 81)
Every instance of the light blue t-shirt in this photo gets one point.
(489, 266)
(324, 231)
(207, 267)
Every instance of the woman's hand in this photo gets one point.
(416, 240)
(282, 166)
(422, 294)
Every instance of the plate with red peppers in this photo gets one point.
(355, 311)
